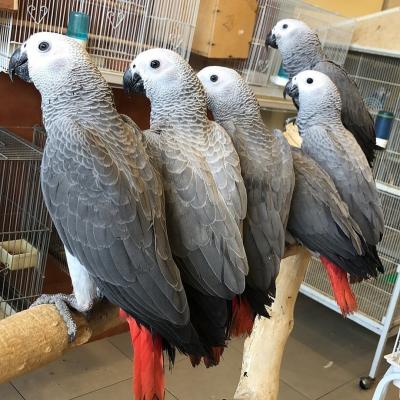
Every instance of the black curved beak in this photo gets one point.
(133, 82)
(271, 41)
(291, 90)
(18, 65)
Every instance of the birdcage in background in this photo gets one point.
(262, 64)
(118, 31)
(24, 224)
(378, 79)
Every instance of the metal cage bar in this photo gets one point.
(24, 225)
(119, 29)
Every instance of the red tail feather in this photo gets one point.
(344, 296)
(148, 370)
(243, 317)
(216, 357)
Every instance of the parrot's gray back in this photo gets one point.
(267, 170)
(338, 153)
(202, 230)
(355, 115)
(107, 204)
(321, 221)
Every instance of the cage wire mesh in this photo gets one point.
(335, 33)
(119, 29)
(24, 225)
(378, 78)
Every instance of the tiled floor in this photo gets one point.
(324, 358)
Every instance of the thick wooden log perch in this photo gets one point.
(33, 338)
(263, 350)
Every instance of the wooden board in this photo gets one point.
(224, 28)
(9, 4)
(349, 8)
(379, 31)
(390, 4)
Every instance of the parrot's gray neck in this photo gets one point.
(305, 54)
(248, 130)
(86, 98)
(249, 123)
(325, 113)
(240, 106)
(183, 108)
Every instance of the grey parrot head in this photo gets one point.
(228, 95)
(48, 60)
(315, 92)
(161, 74)
(288, 33)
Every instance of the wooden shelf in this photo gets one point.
(378, 33)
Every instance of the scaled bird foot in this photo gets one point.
(62, 301)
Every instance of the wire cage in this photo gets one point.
(25, 225)
(119, 29)
(335, 33)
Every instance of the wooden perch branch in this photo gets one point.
(263, 350)
(33, 338)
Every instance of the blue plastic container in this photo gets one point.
(281, 78)
(383, 126)
(78, 27)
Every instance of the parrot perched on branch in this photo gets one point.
(107, 202)
(335, 150)
(301, 50)
(320, 220)
(267, 169)
(205, 194)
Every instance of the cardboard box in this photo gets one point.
(349, 8)
(224, 28)
(18, 254)
(9, 5)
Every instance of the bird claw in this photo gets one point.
(61, 302)
(291, 120)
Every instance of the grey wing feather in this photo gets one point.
(107, 206)
(355, 116)
(315, 190)
(267, 168)
(202, 232)
(225, 167)
(337, 152)
(320, 220)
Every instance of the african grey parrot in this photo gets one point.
(320, 220)
(107, 203)
(205, 193)
(332, 146)
(267, 169)
(301, 49)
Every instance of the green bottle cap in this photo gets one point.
(78, 25)
(386, 114)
